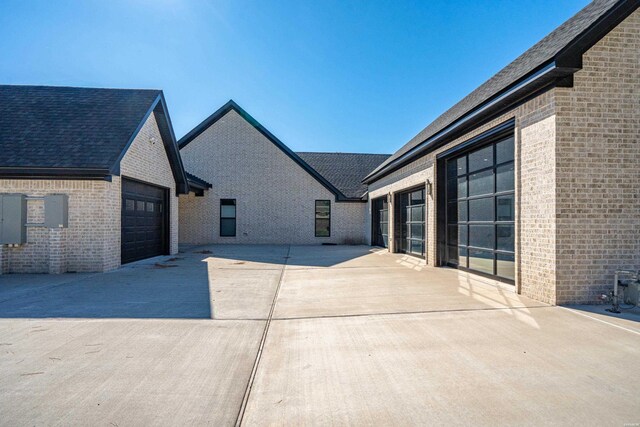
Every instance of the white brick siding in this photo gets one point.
(275, 196)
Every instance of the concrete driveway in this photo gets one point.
(276, 335)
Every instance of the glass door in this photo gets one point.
(481, 210)
(411, 209)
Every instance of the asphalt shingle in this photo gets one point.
(66, 127)
(345, 171)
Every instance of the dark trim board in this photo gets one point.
(159, 107)
(231, 105)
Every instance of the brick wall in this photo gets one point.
(275, 196)
(92, 241)
(598, 167)
(82, 242)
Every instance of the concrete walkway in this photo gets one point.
(274, 335)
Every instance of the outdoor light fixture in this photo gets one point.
(428, 186)
(153, 140)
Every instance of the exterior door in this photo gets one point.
(410, 214)
(480, 197)
(380, 221)
(145, 219)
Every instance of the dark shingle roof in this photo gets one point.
(536, 57)
(344, 170)
(65, 127)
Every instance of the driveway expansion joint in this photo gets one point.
(256, 364)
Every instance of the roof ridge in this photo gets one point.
(80, 87)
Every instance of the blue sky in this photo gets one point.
(322, 75)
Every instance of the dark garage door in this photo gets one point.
(380, 222)
(144, 221)
(481, 210)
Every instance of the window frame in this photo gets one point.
(229, 202)
(315, 217)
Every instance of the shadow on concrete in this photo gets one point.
(627, 313)
(165, 287)
(277, 255)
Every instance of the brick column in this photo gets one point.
(57, 251)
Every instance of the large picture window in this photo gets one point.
(227, 217)
(481, 210)
(323, 218)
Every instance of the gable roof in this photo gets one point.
(231, 105)
(552, 60)
(51, 131)
(344, 170)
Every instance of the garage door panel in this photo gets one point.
(144, 221)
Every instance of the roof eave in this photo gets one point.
(55, 173)
(547, 76)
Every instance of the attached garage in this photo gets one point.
(113, 154)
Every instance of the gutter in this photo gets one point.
(546, 76)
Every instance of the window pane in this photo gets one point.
(463, 235)
(461, 165)
(130, 205)
(462, 211)
(481, 183)
(482, 236)
(417, 214)
(457, 167)
(323, 209)
(504, 151)
(227, 211)
(506, 266)
(462, 186)
(416, 231)
(416, 247)
(481, 209)
(505, 237)
(322, 228)
(140, 205)
(481, 159)
(504, 178)
(481, 261)
(227, 227)
(150, 207)
(230, 202)
(505, 208)
(417, 197)
(384, 216)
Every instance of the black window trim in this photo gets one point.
(235, 223)
(315, 217)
